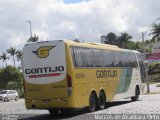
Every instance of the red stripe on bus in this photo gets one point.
(45, 75)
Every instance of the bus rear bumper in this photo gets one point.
(49, 103)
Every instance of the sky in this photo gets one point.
(72, 1)
(85, 20)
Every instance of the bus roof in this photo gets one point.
(98, 45)
(92, 45)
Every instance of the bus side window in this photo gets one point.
(133, 60)
(73, 51)
(125, 59)
(97, 57)
(86, 57)
(108, 58)
(142, 67)
(82, 57)
(117, 59)
(79, 59)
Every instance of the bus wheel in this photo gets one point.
(54, 111)
(137, 92)
(5, 99)
(16, 98)
(68, 111)
(92, 102)
(102, 100)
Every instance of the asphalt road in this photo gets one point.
(147, 104)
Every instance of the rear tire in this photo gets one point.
(92, 103)
(54, 111)
(102, 100)
(16, 98)
(68, 111)
(5, 99)
(137, 93)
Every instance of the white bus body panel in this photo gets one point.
(135, 80)
(40, 67)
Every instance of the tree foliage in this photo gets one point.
(123, 39)
(12, 52)
(19, 57)
(4, 57)
(111, 38)
(33, 38)
(9, 75)
(155, 32)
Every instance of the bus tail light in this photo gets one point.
(69, 84)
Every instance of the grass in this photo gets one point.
(154, 78)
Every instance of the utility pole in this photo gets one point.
(146, 71)
(143, 34)
(30, 26)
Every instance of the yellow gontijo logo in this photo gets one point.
(43, 52)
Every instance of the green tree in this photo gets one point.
(2, 82)
(4, 58)
(33, 39)
(155, 32)
(153, 40)
(111, 38)
(10, 76)
(19, 56)
(12, 52)
(130, 45)
(123, 39)
(137, 46)
(147, 42)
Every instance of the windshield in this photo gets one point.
(3, 92)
